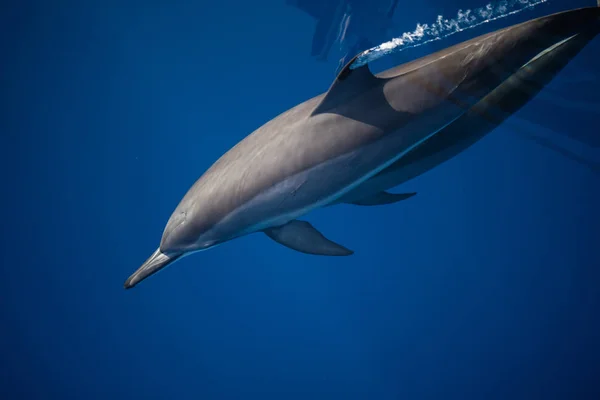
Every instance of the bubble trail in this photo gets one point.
(442, 28)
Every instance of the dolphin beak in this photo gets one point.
(155, 263)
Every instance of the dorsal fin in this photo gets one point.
(348, 84)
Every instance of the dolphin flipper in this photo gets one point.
(382, 198)
(303, 237)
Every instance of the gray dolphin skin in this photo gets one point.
(366, 134)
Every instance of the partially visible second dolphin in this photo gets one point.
(353, 140)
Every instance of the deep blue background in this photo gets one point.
(484, 285)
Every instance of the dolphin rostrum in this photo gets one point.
(320, 150)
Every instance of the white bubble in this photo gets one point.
(442, 28)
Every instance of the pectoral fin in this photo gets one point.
(303, 237)
(382, 198)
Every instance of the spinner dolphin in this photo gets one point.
(352, 142)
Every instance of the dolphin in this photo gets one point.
(316, 152)
(481, 119)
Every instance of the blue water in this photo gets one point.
(485, 285)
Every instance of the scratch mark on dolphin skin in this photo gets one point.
(292, 193)
(298, 187)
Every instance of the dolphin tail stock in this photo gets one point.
(157, 261)
(303, 237)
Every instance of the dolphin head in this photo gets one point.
(189, 229)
